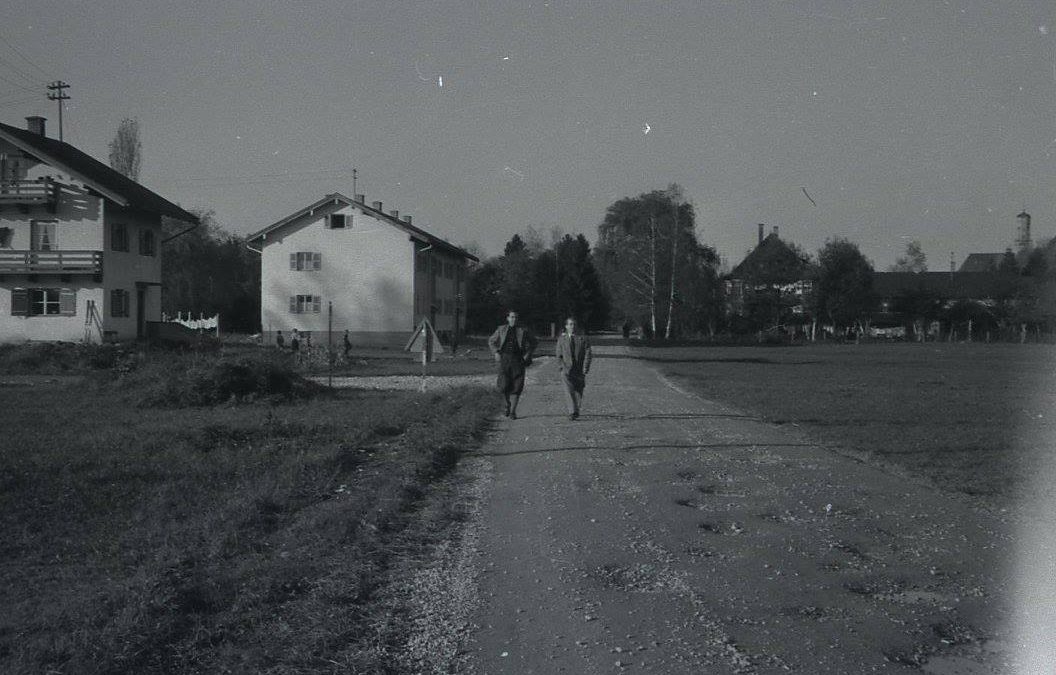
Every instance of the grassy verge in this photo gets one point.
(232, 538)
(973, 418)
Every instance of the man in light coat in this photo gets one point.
(513, 347)
(573, 355)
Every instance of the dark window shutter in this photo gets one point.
(317, 301)
(293, 261)
(293, 304)
(317, 261)
(68, 302)
(20, 302)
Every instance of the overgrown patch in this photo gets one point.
(244, 538)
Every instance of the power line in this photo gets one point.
(16, 84)
(9, 104)
(23, 56)
(18, 71)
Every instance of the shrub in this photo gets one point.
(193, 380)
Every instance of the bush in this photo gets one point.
(60, 358)
(195, 380)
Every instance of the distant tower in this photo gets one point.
(1023, 242)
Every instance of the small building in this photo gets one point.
(380, 273)
(772, 284)
(80, 243)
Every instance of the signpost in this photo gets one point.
(425, 342)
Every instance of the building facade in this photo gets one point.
(80, 244)
(378, 273)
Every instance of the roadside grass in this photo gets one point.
(972, 418)
(235, 538)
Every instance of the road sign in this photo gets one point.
(425, 342)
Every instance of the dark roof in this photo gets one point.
(414, 232)
(949, 285)
(982, 262)
(96, 175)
(772, 260)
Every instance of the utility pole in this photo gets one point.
(354, 175)
(58, 86)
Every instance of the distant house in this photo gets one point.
(771, 285)
(981, 262)
(985, 288)
(80, 244)
(382, 274)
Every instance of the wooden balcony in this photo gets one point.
(51, 262)
(26, 193)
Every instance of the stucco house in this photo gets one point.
(381, 274)
(80, 243)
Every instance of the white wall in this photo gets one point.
(121, 269)
(66, 328)
(367, 272)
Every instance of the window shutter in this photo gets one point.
(293, 261)
(317, 261)
(20, 302)
(68, 302)
(329, 222)
(293, 304)
(317, 301)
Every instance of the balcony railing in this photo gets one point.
(51, 262)
(29, 192)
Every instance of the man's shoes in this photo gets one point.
(506, 413)
(575, 415)
(513, 414)
(572, 418)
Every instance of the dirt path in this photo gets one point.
(663, 533)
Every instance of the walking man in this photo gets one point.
(573, 355)
(280, 341)
(513, 347)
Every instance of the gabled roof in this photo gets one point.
(949, 285)
(338, 198)
(772, 260)
(113, 185)
(981, 262)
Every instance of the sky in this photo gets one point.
(933, 121)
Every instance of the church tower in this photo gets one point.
(1023, 241)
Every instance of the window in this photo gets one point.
(338, 221)
(43, 302)
(120, 302)
(42, 235)
(146, 241)
(306, 260)
(305, 304)
(118, 237)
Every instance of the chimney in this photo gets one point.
(407, 219)
(35, 125)
(376, 205)
(761, 226)
(395, 214)
(775, 232)
(362, 199)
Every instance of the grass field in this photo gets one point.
(973, 418)
(252, 537)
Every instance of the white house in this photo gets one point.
(381, 274)
(80, 243)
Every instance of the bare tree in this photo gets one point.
(126, 149)
(913, 261)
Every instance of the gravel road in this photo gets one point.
(665, 533)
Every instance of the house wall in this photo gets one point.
(367, 271)
(83, 224)
(79, 226)
(434, 290)
(126, 270)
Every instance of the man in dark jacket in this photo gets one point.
(513, 347)
(573, 355)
